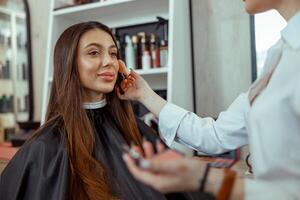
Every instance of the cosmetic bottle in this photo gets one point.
(1, 70)
(5, 104)
(11, 103)
(129, 53)
(143, 44)
(24, 72)
(143, 49)
(155, 53)
(146, 60)
(163, 53)
(137, 52)
(7, 69)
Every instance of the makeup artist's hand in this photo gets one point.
(168, 171)
(134, 86)
(128, 81)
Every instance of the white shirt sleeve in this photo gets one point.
(262, 190)
(205, 134)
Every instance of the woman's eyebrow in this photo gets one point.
(94, 44)
(99, 45)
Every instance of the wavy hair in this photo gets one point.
(87, 178)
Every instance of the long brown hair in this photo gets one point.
(87, 177)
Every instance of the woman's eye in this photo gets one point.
(114, 54)
(93, 53)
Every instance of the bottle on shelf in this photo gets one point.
(163, 53)
(146, 60)
(5, 70)
(1, 70)
(137, 52)
(129, 53)
(4, 104)
(24, 71)
(83, 1)
(155, 53)
(11, 103)
(21, 104)
(144, 51)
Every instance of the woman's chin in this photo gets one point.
(106, 90)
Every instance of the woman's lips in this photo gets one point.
(107, 76)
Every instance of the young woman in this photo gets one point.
(267, 118)
(77, 153)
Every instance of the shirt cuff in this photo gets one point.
(170, 118)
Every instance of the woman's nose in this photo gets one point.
(107, 60)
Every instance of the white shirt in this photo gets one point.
(271, 126)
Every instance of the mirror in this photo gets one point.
(16, 89)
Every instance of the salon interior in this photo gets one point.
(199, 55)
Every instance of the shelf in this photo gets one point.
(162, 70)
(22, 116)
(12, 12)
(5, 81)
(2, 46)
(116, 13)
(88, 6)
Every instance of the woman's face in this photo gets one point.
(257, 6)
(97, 64)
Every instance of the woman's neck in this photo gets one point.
(93, 97)
(288, 8)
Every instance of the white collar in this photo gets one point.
(95, 105)
(291, 33)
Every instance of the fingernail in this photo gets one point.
(125, 157)
(144, 164)
(134, 154)
(125, 147)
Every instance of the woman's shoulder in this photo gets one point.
(45, 145)
(39, 170)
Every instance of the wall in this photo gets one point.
(222, 53)
(39, 11)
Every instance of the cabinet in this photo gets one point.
(14, 87)
(176, 78)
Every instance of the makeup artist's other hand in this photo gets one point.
(168, 171)
(134, 86)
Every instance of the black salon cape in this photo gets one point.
(40, 169)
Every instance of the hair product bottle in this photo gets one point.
(163, 53)
(146, 60)
(144, 51)
(155, 53)
(137, 55)
(129, 53)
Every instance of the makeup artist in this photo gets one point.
(267, 117)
